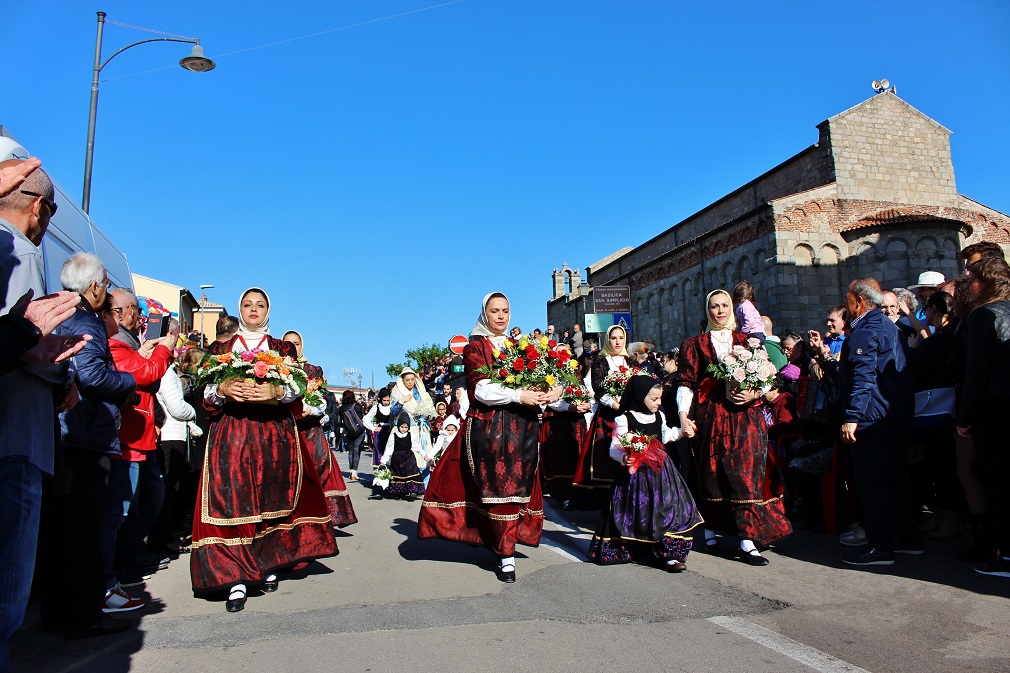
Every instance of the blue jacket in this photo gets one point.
(876, 383)
(94, 423)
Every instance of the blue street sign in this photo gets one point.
(624, 320)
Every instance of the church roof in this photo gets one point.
(890, 216)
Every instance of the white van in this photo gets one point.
(70, 231)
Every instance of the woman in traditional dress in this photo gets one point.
(312, 435)
(651, 511)
(260, 506)
(402, 455)
(594, 474)
(408, 394)
(731, 442)
(485, 489)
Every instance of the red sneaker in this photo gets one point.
(117, 600)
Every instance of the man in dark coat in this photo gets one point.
(878, 404)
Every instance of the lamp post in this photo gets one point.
(203, 309)
(195, 62)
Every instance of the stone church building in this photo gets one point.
(874, 197)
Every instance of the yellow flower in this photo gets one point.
(524, 342)
(510, 379)
(495, 352)
(543, 342)
(573, 364)
(550, 379)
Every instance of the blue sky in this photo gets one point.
(378, 180)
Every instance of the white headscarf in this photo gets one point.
(483, 327)
(244, 330)
(400, 391)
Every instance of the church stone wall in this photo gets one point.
(885, 150)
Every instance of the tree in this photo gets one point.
(418, 358)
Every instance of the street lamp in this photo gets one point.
(195, 62)
(203, 310)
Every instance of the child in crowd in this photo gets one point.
(450, 426)
(402, 459)
(651, 512)
(748, 318)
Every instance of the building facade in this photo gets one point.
(874, 197)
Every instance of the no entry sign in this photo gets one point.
(457, 343)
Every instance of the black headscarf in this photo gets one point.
(403, 419)
(634, 395)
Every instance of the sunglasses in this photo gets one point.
(50, 204)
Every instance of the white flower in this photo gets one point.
(752, 367)
(753, 342)
(739, 375)
(746, 355)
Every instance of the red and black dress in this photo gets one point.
(260, 505)
(314, 437)
(562, 433)
(485, 488)
(594, 474)
(730, 451)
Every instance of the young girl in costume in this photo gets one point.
(651, 510)
(401, 458)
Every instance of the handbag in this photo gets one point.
(353, 426)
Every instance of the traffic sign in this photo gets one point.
(624, 320)
(458, 343)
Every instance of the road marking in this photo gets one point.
(560, 550)
(806, 655)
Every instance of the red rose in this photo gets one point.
(564, 356)
(552, 354)
(569, 391)
(501, 355)
(532, 355)
(532, 364)
(552, 343)
(519, 365)
(503, 373)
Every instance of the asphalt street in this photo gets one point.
(392, 602)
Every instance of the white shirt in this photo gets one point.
(621, 427)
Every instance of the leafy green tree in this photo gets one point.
(418, 358)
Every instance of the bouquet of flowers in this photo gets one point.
(381, 476)
(531, 363)
(642, 450)
(315, 389)
(576, 394)
(425, 410)
(257, 365)
(745, 367)
(617, 379)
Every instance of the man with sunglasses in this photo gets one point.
(28, 394)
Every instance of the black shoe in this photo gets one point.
(235, 604)
(675, 567)
(711, 546)
(507, 576)
(103, 627)
(871, 557)
(753, 558)
(270, 586)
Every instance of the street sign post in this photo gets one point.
(458, 343)
(612, 299)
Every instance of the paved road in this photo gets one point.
(391, 602)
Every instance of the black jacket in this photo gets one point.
(986, 360)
